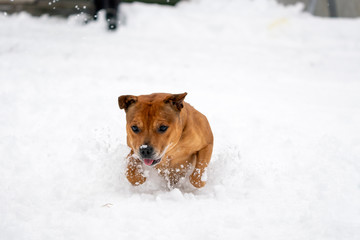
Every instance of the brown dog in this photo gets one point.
(168, 134)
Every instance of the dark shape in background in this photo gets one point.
(329, 8)
(63, 8)
(111, 9)
(323, 8)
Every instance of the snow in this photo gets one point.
(279, 87)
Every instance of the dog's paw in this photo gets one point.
(136, 180)
(135, 175)
(196, 179)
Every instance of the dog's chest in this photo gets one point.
(176, 163)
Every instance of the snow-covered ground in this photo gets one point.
(279, 87)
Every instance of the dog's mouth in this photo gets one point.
(151, 162)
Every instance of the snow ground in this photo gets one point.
(279, 87)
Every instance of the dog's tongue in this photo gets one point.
(148, 161)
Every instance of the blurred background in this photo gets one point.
(324, 8)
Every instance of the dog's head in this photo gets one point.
(153, 124)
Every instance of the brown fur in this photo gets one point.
(187, 142)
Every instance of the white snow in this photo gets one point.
(204, 176)
(279, 87)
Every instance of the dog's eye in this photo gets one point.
(162, 128)
(135, 129)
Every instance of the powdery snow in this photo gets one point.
(279, 87)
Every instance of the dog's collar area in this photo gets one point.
(151, 162)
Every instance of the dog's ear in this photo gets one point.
(176, 100)
(126, 100)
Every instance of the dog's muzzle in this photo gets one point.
(147, 155)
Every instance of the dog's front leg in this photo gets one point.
(134, 172)
(198, 178)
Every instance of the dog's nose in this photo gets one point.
(146, 151)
